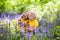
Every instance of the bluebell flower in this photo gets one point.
(1, 19)
(45, 30)
(28, 34)
(2, 31)
(7, 20)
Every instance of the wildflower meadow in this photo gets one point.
(47, 14)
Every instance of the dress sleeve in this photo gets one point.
(35, 24)
(20, 24)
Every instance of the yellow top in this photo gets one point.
(32, 23)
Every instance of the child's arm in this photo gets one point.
(29, 29)
(20, 25)
(35, 24)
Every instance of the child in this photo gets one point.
(22, 21)
(29, 21)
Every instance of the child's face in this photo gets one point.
(24, 15)
(31, 16)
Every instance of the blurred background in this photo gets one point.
(47, 13)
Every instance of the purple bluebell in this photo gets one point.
(45, 30)
(11, 16)
(28, 34)
(16, 16)
(1, 19)
(36, 30)
(21, 24)
(2, 31)
(8, 20)
(41, 29)
(3, 15)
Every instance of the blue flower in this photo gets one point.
(28, 34)
(46, 30)
(3, 15)
(1, 19)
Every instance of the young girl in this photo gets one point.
(28, 22)
(22, 21)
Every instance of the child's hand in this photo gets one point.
(20, 23)
(29, 28)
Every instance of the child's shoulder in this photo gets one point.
(33, 20)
